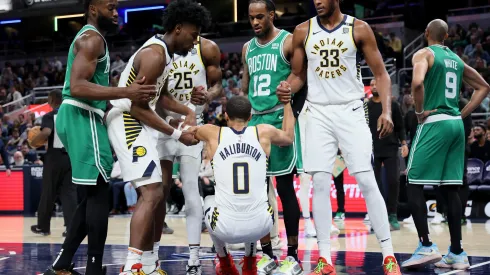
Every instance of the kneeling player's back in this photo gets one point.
(240, 166)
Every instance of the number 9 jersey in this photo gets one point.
(187, 72)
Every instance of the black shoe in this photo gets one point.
(39, 231)
(69, 271)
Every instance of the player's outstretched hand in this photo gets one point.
(423, 116)
(283, 92)
(140, 92)
(385, 125)
(199, 96)
(188, 137)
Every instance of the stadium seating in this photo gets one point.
(474, 173)
(485, 185)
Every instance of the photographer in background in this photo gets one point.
(56, 172)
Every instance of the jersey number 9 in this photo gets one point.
(451, 85)
(241, 183)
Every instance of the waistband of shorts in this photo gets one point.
(440, 117)
(338, 103)
(239, 216)
(271, 110)
(83, 106)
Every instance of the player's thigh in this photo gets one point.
(320, 144)
(428, 154)
(167, 147)
(354, 136)
(210, 212)
(454, 162)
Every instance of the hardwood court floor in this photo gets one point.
(355, 250)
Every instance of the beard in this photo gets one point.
(265, 31)
(478, 136)
(106, 24)
(19, 162)
(375, 94)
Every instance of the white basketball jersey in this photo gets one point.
(129, 74)
(240, 166)
(187, 72)
(334, 70)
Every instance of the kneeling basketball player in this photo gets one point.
(239, 211)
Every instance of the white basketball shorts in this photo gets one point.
(172, 149)
(135, 146)
(233, 227)
(329, 127)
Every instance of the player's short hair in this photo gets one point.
(270, 5)
(56, 95)
(185, 11)
(238, 107)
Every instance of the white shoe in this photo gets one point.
(310, 231)
(276, 243)
(408, 220)
(266, 265)
(289, 267)
(366, 219)
(193, 268)
(438, 219)
(334, 230)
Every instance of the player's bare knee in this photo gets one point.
(152, 193)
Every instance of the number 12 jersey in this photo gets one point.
(267, 67)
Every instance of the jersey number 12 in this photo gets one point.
(451, 85)
(261, 85)
(241, 183)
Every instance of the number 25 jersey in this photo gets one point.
(334, 70)
(240, 166)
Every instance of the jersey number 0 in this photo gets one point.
(241, 183)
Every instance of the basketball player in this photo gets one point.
(81, 129)
(241, 155)
(189, 79)
(326, 48)
(437, 156)
(266, 62)
(132, 125)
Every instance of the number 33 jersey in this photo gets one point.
(240, 166)
(334, 70)
(267, 67)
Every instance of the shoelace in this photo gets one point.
(391, 265)
(319, 267)
(262, 261)
(191, 270)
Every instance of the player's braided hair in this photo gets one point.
(185, 11)
(268, 3)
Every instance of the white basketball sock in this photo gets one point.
(156, 248)
(193, 254)
(189, 172)
(148, 262)
(134, 257)
(322, 209)
(273, 203)
(376, 208)
(250, 249)
(304, 194)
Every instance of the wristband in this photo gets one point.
(168, 119)
(176, 134)
(417, 113)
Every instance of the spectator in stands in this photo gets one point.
(117, 185)
(118, 65)
(471, 47)
(395, 43)
(15, 96)
(206, 171)
(57, 64)
(29, 154)
(5, 157)
(480, 149)
(14, 141)
(3, 95)
(42, 80)
(486, 44)
(479, 52)
(18, 159)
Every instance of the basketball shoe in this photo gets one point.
(69, 271)
(226, 266)
(249, 265)
(266, 265)
(136, 269)
(390, 266)
(194, 269)
(289, 267)
(423, 255)
(454, 261)
(323, 268)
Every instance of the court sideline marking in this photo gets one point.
(471, 267)
(4, 258)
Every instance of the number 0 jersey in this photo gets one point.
(334, 70)
(240, 166)
(443, 81)
(187, 72)
(129, 74)
(267, 67)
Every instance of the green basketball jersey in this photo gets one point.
(443, 82)
(100, 77)
(267, 67)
